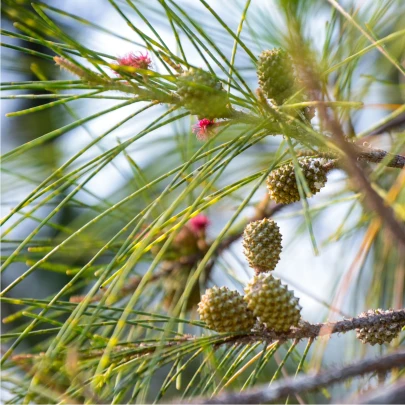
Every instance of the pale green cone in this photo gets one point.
(225, 311)
(272, 302)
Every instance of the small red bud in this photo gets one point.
(204, 129)
(199, 223)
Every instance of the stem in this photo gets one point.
(324, 378)
(307, 330)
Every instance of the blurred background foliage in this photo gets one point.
(90, 184)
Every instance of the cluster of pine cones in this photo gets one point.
(202, 94)
(267, 300)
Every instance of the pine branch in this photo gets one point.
(116, 342)
(366, 153)
(307, 330)
(323, 378)
(370, 155)
(372, 199)
(374, 155)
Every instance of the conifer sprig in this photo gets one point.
(114, 159)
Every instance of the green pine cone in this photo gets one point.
(276, 76)
(282, 184)
(225, 311)
(272, 302)
(381, 332)
(262, 244)
(202, 94)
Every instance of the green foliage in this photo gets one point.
(104, 175)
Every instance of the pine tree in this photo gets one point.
(142, 141)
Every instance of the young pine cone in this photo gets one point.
(262, 244)
(276, 75)
(225, 311)
(282, 183)
(272, 303)
(202, 94)
(381, 332)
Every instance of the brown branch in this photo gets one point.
(307, 330)
(366, 153)
(312, 331)
(282, 389)
(372, 200)
(374, 155)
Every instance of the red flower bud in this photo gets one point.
(204, 129)
(198, 223)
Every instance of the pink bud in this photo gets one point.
(198, 223)
(204, 129)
